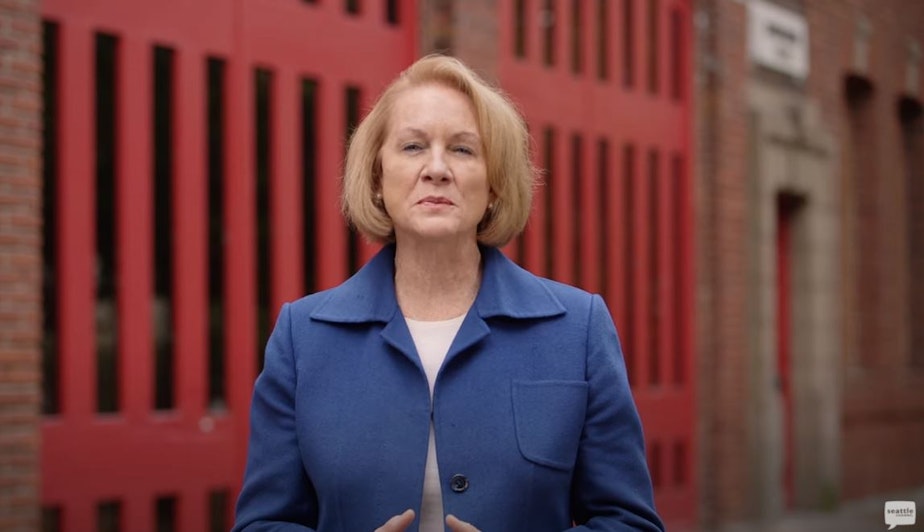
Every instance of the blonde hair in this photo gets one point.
(510, 172)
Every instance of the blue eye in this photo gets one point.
(411, 147)
(464, 150)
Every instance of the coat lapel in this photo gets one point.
(507, 291)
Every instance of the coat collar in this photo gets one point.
(506, 291)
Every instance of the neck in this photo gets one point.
(436, 281)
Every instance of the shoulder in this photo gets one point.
(570, 296)
(304, 307)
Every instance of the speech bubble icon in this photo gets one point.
(899, 513)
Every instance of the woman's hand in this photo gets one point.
(398, 523)
(457, 525)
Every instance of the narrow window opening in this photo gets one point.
(577, 46)
(109, 516)
(548, 33)
(603, 40)
(911, 118)
(520, 249)
(107, 326)
(680, 464)
(519, 30)
(352, 96)
(165, 513)
(162, 314)
(677, 54)
(653, 52)
(50, 356)
(309, 178)
(629, 257)
(548, 162)
(263, 80)
(219, 511)
(655, 462)
(577, 207)
(864, 172)
(628, 43)
(217, 398)
(392, 13)
(603, 212)
(352, 6)
(51, 519)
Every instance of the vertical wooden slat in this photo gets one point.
(285, 191)
(686, 229)
(666, 238)
(631, 290)
(366, 249)
(641, 272)
(331, 241)
(192, 512)
(562, 236)
(535, 245)
(653, 318)
(685, 277)
(614, 250)
(79, 513)
(190, 226)
(562, 43)
(137, 510)
(590, 217)
(76, 240)
(134, 59)
(240, 264)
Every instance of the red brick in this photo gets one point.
(869, 450)
(20, 264)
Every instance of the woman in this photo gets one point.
(442, 379)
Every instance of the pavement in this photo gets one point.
(862, 515)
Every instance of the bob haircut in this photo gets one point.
(510, 172)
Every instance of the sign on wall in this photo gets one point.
(778, 38)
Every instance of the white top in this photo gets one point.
(432, 340)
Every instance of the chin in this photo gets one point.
(437, 233)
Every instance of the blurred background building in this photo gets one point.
(742, 180)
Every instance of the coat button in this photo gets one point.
(458, 483)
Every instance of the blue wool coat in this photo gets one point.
(534, 422)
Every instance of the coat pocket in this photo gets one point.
(549, 418)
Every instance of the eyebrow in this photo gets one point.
(461, 135)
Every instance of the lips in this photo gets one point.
(435, 200)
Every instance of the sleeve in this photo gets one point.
(611, 489)
(277, 493)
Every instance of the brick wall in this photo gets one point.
(883, 408)
(20, 263)
(467, 30)
(882, 421)
(721, 136)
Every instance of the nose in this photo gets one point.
(437, 169)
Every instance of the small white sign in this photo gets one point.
(778, 38)
(899, 513)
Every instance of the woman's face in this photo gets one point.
(434, 177)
